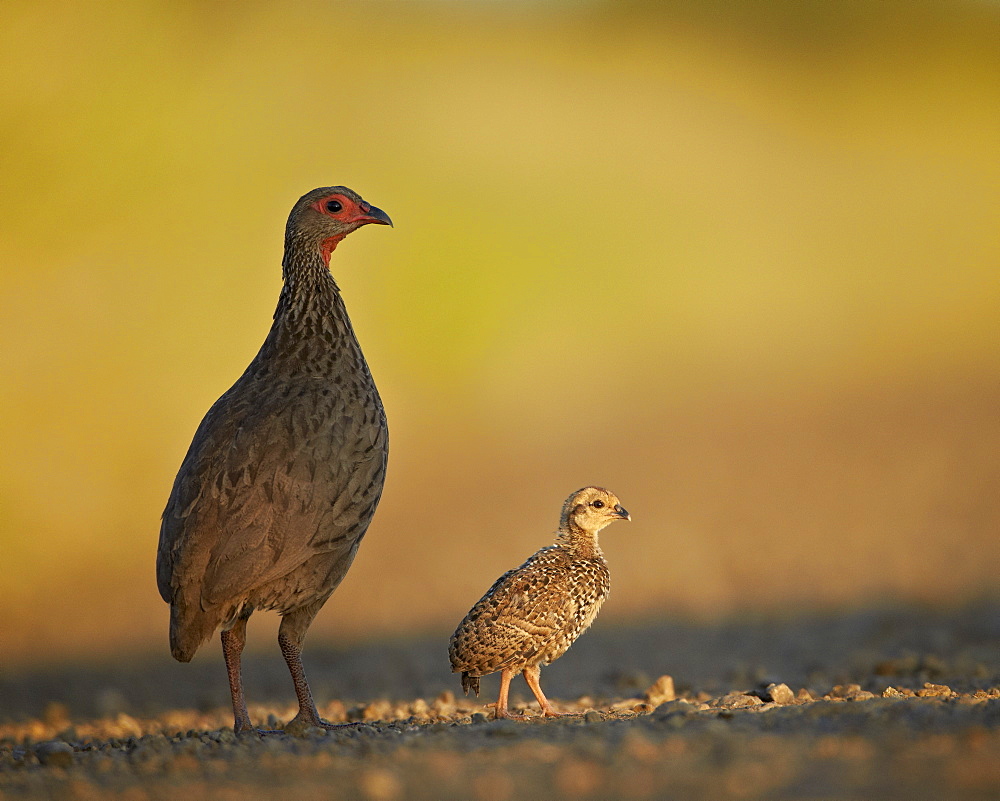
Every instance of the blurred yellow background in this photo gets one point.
(737, 262)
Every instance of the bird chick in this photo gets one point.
(533, 614)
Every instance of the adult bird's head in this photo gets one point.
(323, 217)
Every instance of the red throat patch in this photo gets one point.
(327, 246)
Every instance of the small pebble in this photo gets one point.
(737, 700)
(674, 709)
(850, 692)
(779, 694)
(593, 716)
(934, 691)
(54, 753)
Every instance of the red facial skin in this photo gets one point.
(351, 213)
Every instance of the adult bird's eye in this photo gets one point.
(598, 504)
(333, 206)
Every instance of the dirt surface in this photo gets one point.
(897, 703)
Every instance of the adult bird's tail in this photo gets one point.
(190, 628)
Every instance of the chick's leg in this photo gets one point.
(501, 708)
(532, 675)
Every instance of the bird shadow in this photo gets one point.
(875, 646)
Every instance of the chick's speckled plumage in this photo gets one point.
(532, 614)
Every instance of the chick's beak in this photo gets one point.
(374, 215)
(620, 511)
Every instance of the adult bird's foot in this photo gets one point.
(301, 723)
(244, 728)
(325, 724)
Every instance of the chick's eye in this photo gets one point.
(598, 504)
(333, 206)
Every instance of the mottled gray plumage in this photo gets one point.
(286, 469)
(532, 614)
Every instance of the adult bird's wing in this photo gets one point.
(268, 483)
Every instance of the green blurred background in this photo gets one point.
(736, 261)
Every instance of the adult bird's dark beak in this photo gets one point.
(620, 511)
(376, 215)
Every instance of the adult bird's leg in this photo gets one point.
(501, 708)
(233, 641)
(532, 675)
(291, 649)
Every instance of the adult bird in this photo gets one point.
(284, 473)
(534, 613)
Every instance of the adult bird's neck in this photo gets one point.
(308, 291)
(311, 328)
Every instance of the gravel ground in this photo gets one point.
(897, 703)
